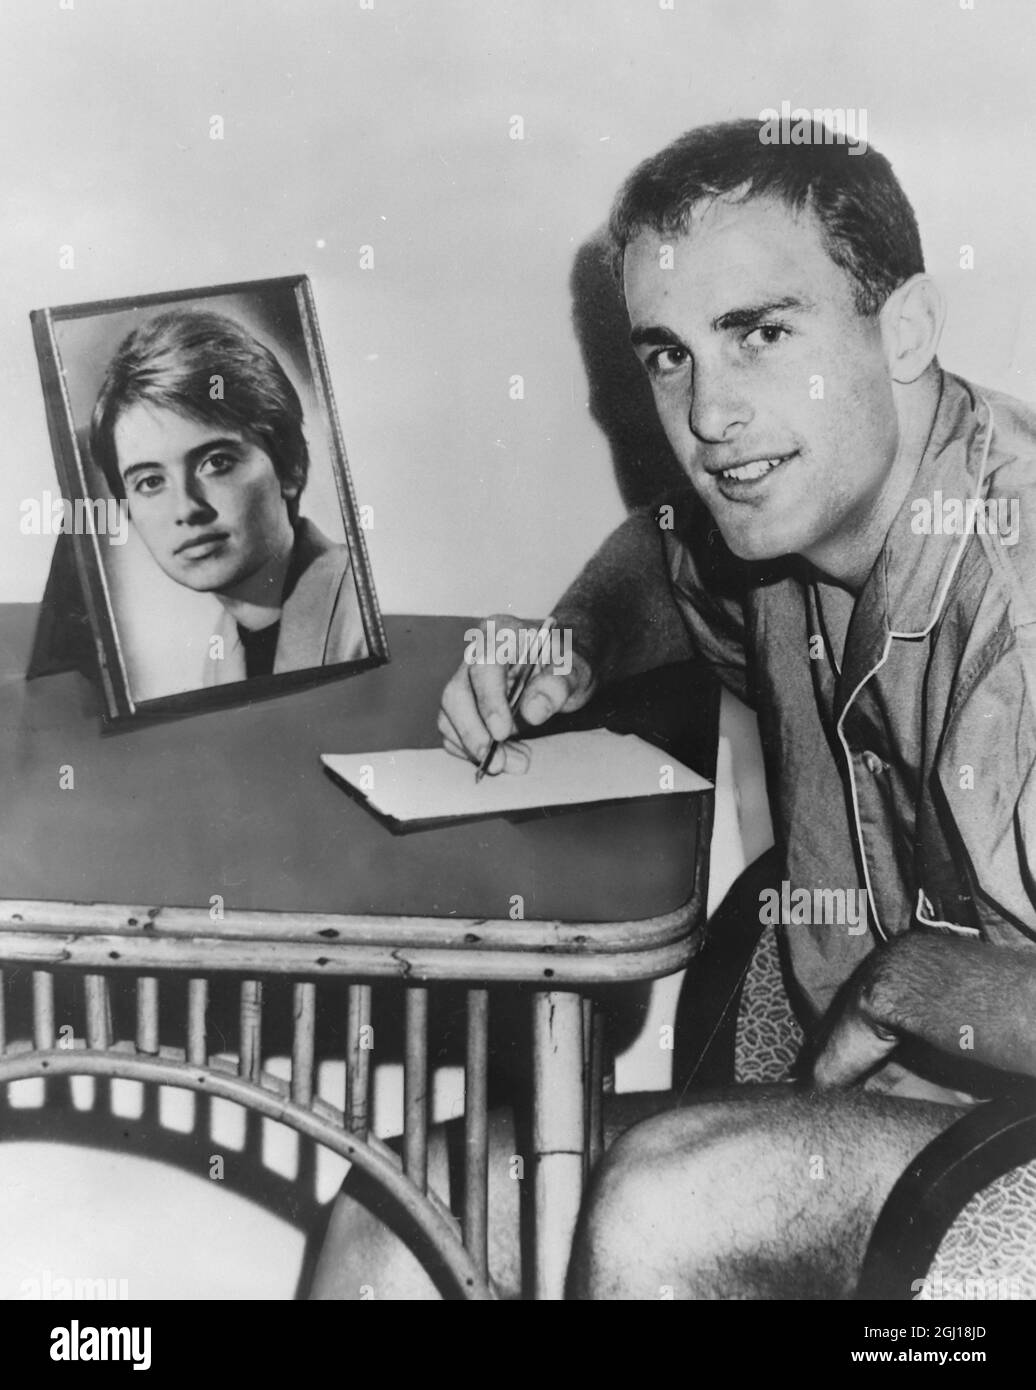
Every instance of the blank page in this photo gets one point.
(416, 784)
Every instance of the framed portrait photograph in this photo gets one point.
(205, 493)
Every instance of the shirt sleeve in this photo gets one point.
(988, 775)
(708, 586)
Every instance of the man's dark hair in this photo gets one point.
(868, 225)
(171, 362)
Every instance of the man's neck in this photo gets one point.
(848, 565)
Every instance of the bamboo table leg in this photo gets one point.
(557, 1134)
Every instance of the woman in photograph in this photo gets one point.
(197, 427)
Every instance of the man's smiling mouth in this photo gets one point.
(753, 470)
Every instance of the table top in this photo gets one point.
(235, 801)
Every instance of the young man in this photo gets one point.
(199, 429)
(878, 609)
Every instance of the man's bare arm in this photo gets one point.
(966, 998)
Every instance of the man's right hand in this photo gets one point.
(474, 704)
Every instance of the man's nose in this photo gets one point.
(718, 408)
(192, 506)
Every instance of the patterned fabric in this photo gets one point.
(990, 1250)
(768, 1037)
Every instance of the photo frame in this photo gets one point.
(210, 550)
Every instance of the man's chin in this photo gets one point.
(754, 548)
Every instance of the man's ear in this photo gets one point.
(911, 325)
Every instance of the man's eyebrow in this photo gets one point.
(752, 314)
(193, 455)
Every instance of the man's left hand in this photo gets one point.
(852, 1043)
(966, 998)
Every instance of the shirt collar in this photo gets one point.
(919, 566)
(905, 591)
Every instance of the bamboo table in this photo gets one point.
(287, 885)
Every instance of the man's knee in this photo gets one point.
(749, 1198)
(654, 1218)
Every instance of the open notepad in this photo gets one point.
(417, 784)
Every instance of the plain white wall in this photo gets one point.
(389, 126)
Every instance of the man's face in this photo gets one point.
(207, 502)
(760, 363)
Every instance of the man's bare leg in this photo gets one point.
(764, 1193)
(360, 1252)
(758, 1192)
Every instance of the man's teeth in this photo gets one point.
(748, 472)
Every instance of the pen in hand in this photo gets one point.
(519, 688)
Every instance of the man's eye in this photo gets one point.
(766, 335)
(149, 483)
(667, 360)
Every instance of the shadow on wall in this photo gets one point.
(620, 397)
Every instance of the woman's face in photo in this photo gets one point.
(206, 501)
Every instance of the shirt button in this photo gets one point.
(873, 763)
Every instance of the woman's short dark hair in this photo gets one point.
(868, 225)
(208, 367)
